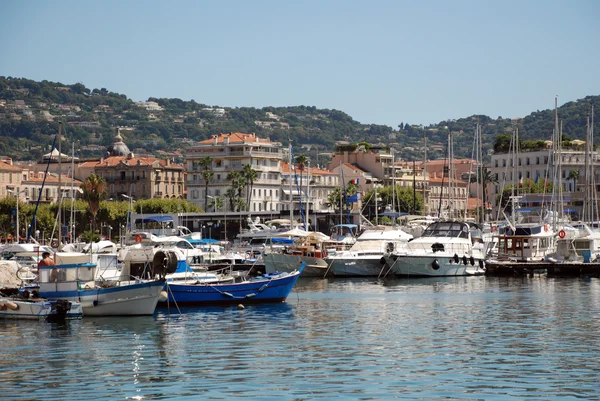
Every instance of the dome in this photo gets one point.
(118, 148)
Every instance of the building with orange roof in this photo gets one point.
(317, 185)
(141, 177)
(447, 196)
(10, 178)
(376, 161)
(231, 152)
(34, 180)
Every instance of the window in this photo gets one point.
(496, 163)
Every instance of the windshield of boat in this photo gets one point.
(447, 229)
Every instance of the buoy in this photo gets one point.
(240, 307)
(138, 239)
(162, 297)
(455, 258)
(435, 265)
(11, 305)
(562, 234)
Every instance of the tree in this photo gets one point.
(208, 175)
(574, 176)
(94, 188)
(230, 194)
(249, 176)
(485, 177)
(216, 203)
(301, 162)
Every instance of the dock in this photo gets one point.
(551, 269)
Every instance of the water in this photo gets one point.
(470, 338)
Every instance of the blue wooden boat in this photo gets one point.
(267, 288)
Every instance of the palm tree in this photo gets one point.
(485, 177)
(216, 204)
(301, 162)
(230, 194)
(237, 182)
(249, 175)
(208, 175)
(574, 176)
(93, 189)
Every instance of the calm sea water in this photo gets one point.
(472, 338)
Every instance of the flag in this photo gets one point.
(520, 182)
(355, 181)
(353, 198)
(537, 177)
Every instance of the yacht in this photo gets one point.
(445, 248)
(365, 257)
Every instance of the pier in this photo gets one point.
(567, 269)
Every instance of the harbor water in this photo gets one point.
(465, 338)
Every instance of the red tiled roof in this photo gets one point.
(133, 161)
(235, 137)
(285, 168)
(51, 179)
(353, 167)
(8, 167)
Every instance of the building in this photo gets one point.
(540, 164)
(141, 177)
(447, 197)
(10, 179)
(376, 161)
(317, 185)
(229, 153)
(34, 181)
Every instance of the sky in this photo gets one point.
(381, 61)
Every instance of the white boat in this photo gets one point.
(38, 309)
(73, 278)
(446, 248)
(365, 257)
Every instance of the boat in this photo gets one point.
(24, 307)
(446, 248)
(266, 288)
(365, 257)
(311, 249)
(74, 278)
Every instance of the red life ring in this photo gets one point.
(562, 234)
(138, 239)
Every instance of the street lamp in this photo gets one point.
(209, 224)
(131, 202)
(16, 193)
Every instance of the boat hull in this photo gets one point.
(279, 262)
(429, 265)
(356, 267)
(137, 299)
(35, 310)
(263, 289)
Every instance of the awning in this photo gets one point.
(157, 219)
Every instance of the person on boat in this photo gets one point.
(46, 261)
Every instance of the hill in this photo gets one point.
(29, 111)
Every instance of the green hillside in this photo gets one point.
(29, 111)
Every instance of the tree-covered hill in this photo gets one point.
(29, 111)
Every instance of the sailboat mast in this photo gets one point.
(72, 213)
(59, 182)
(425, 208)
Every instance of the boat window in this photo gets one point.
(184, 245)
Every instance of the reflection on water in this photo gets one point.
(451, 338)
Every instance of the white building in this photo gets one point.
(540, 164)
(231, 152)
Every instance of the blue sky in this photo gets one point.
(382, 62)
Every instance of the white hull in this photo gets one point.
(279, 262)
(123, 300)
(430, 266)
(33, 310)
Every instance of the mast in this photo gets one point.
(414, 189)
(72, 213)
(306, 223)
(291, 194)
(425, 209)
(59, 199)
(393, 184)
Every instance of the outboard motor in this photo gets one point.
(60, 308)
(164, 262)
